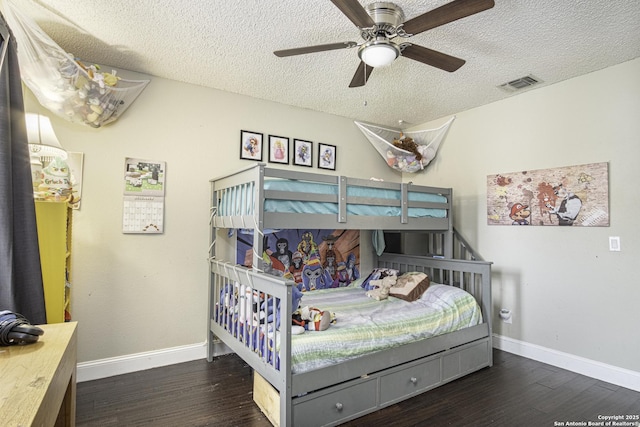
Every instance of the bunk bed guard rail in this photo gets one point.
(244, 194)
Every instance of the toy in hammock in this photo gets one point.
(62, 84)
(410, 151)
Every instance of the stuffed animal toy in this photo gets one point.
(247, 304)
(377, 274)
(267, 306)
(380, 288)
(313, 319)
(408, 144)
(391, 158)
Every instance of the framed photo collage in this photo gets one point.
(285, 150)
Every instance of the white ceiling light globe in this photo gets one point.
(378, 54)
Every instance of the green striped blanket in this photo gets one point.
(365, 325)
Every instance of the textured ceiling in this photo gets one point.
(229, 45)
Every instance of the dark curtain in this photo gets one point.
(21, 288)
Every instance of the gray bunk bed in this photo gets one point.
(262, 198)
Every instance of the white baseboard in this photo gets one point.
(104, 368)
(591, 368)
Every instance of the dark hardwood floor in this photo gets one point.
(514, 392)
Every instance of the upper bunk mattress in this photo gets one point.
(240, 202)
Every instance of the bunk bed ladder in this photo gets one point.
(463, 249)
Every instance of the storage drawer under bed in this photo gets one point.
(419, 377)
(465, 359)
(337, 404)
(397, 384)
(364, 395)
(330, 406)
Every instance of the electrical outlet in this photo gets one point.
(506, 315)
(614, 243)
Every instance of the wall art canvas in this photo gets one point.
(575, 196)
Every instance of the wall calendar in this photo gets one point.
(143, 201)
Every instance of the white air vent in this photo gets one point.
(521, 83)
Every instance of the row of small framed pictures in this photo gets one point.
(280, 151)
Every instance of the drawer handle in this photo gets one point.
(339, 406)
(414, 380)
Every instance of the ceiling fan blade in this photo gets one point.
(313, 49)
(361, 77)
(355, 12)
(431, 57)
(449, 12)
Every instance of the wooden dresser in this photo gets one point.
(38, 381)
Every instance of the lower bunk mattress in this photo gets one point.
(362, 325)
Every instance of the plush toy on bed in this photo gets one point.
(410, 286)
(266, 308)
(377, 274)
(381, 287)
(312, 319)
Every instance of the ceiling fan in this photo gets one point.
(380, 23)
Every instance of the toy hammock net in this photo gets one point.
(406, 151)
(62, 84)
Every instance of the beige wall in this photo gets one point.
(139, 293)
(568, 292)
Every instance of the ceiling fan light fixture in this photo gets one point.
(378, 53)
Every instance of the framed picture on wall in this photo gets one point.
(302, 153)
(250, 145)
(278, 149)
(326, 156)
